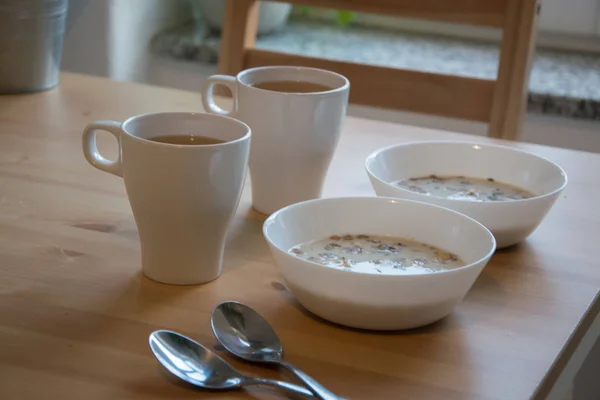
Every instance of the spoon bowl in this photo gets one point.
(192, 362)
(197, 365)
(244, 333)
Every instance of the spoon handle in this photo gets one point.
(318, 389)
(280, 384)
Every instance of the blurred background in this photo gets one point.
(175, 43)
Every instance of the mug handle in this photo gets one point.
(90, 148)
(208, 100)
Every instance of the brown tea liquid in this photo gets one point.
(292, 86)
(186, 140)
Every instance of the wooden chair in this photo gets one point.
(501, 103)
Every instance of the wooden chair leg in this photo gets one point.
(517, 51)
(239, 34)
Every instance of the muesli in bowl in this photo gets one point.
(377, 263)
(508, 190)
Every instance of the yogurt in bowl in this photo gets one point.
(377, 263)
(509, 191)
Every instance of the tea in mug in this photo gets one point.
(292, 86)
(186, 140)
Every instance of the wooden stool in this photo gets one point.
(501, 103)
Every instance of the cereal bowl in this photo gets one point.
(510, 221)
(377, 301)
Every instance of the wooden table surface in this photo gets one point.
(75, 311)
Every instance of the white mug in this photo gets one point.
(183, 197)
(294, 135)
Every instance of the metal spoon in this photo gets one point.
(244, 333)
(195, 364)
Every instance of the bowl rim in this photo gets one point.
(371, 157)
(487, 256)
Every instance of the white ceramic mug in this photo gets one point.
(294, 135)
(183, 197)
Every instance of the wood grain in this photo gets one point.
(75, 312)
(239, 34)
(473, 12)
(421, 92)
(523, 53)
(518, 47)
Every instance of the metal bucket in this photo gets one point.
(31, 36)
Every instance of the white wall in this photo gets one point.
(133, 23)
(570, 16)
(86, 41)
(111, 37)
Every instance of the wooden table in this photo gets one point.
(75, 311)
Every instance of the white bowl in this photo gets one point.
(377, 301)
(510, 221)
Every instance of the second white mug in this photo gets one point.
(294, 130)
